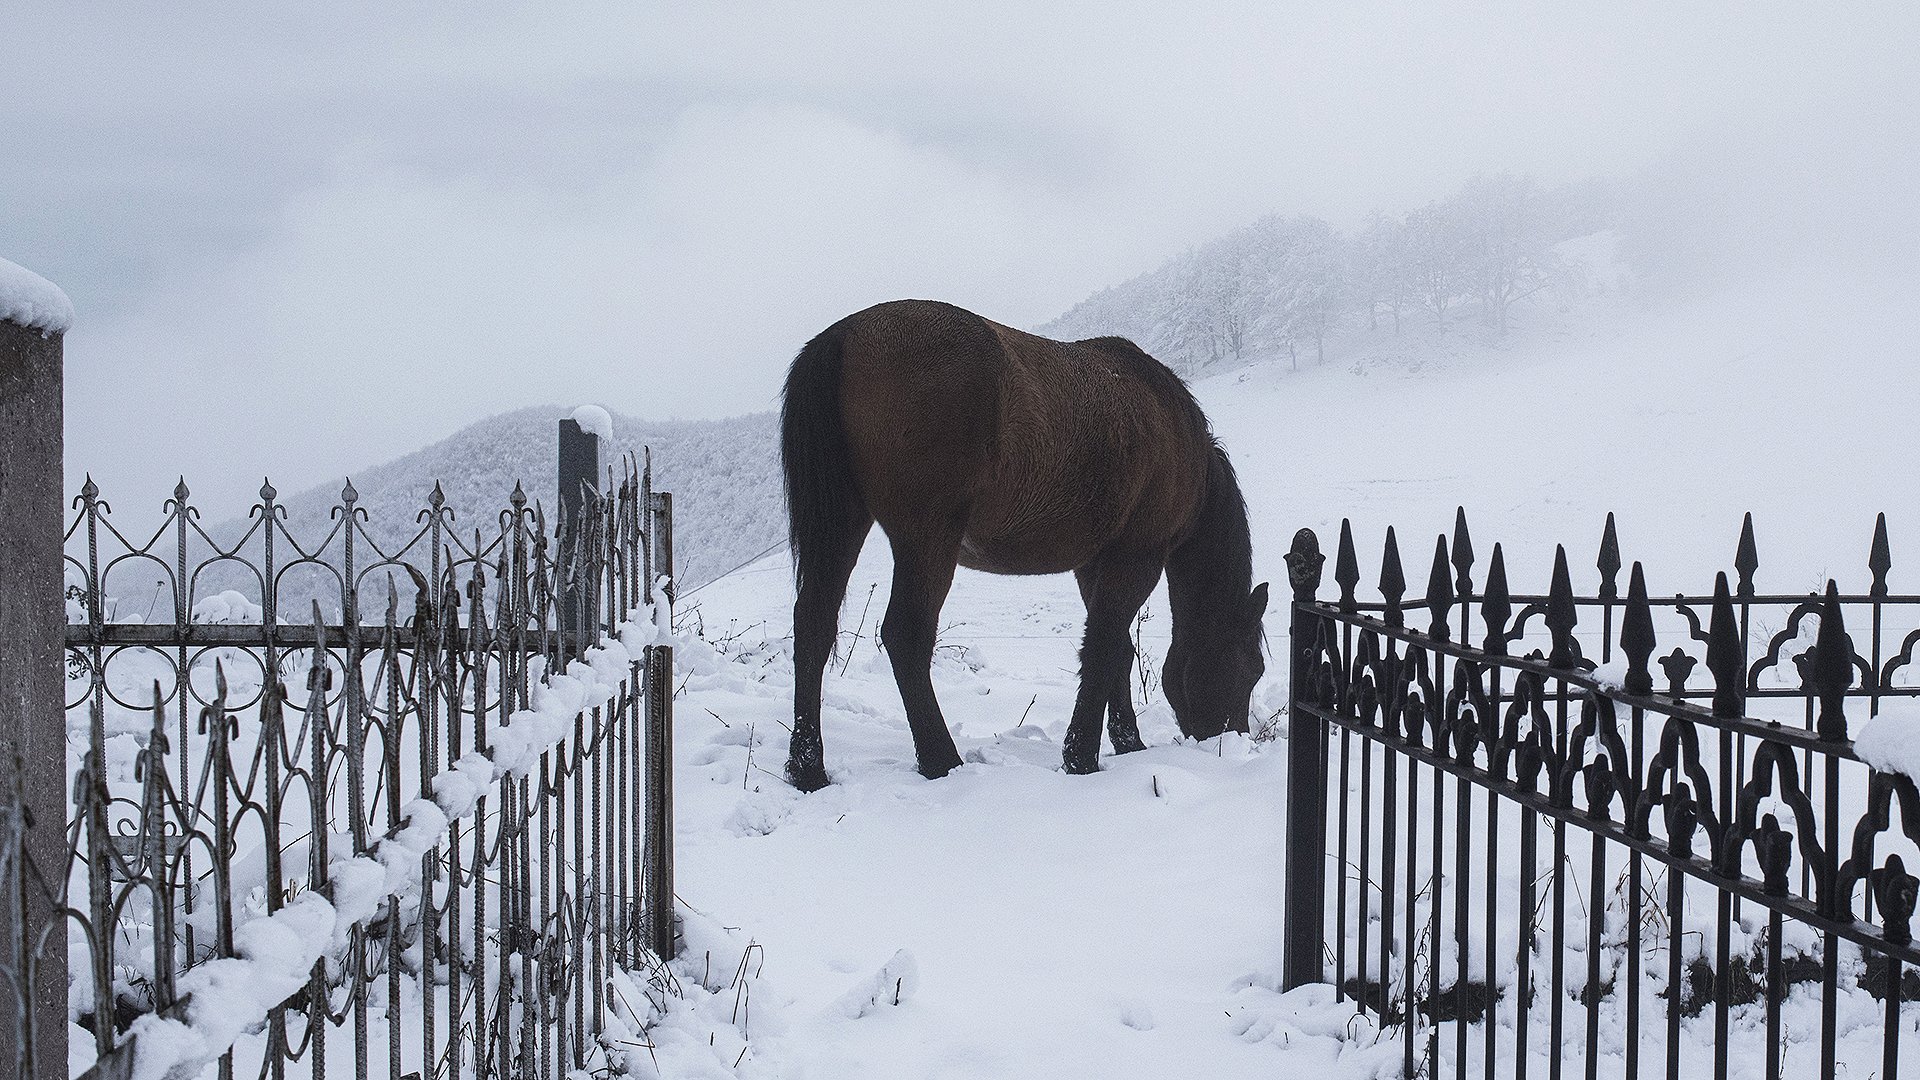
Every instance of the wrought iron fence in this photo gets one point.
(419, 822)
(1537, 819)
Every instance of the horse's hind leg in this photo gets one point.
(1123, 726)
(1114, 587)
(816, 625)
(922, 573)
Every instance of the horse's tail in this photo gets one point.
(824, 503)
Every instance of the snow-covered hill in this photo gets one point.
(723, 473)
(1011, 920)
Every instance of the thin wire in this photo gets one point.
(776, 546)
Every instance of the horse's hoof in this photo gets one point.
(1128, 746)
(807, 778)
(936, 770)
(1080, 768)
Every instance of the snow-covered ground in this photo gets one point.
(1010, 920)
(1014, 921)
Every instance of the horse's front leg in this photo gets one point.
(1123, 726)
(1114, 588)
(1081, 751)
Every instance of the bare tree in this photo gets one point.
(1507, 240)
(1377, 274)
(1434, 267)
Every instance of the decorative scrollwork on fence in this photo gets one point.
(452, 748)
(1772, 788)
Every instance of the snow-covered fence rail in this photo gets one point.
(410, 824)
(1551, 844)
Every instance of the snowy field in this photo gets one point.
(1014, 921)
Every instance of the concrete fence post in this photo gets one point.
(659, 736)
(579, 462)
(34, 317)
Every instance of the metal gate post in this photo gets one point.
(1304, 945)
(33, 725)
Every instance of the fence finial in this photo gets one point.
(1897, 891)
(1609, 561)
(1636, 633)
(1561, 616)
(1495, 606)
(1303, 565)
(1346, 567)
(1393, 580)
(1746, 558)
(1677, 665)
(1880, 558)
(1439, 592)
(1462, 553)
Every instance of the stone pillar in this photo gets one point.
(579, 468)
(33, 320)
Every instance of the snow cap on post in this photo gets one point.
(29, 300)
(594, 420)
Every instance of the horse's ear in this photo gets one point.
(1257, 602)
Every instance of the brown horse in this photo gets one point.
(975, 444)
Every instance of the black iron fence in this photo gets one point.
(1604, 834)
(417, 818)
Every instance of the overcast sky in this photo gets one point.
(304, 243)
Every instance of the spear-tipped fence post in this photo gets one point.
(1305, 944)
(579, 461)
(32, 664)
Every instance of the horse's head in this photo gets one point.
(1209, 678)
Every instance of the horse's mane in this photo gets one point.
(1221, 526)
(1220, 534)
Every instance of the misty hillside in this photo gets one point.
(1501, 262)
(724, 475)
(1494, 253)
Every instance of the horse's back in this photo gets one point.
(920, 400)
(1049, 450)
